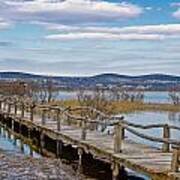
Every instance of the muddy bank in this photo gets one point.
(19, 167)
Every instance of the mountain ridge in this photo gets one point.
(19, 73)
(148, 81)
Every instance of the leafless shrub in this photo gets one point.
(174, 95)
(118, 94)
(96, 99)
(43, 91)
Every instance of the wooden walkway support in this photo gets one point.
(72, 127)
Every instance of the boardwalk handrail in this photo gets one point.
(151, 138)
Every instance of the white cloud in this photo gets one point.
(4, 24)
(175, 4)
(72, 10)
(176, 14)
(148, 32)
(148, 8)
(106, 36)
(145, 29)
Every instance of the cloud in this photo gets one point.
(70, 11)
(106, 36)
(175, 4)
(176, 14)
(148, 32)
(148, 8)
(3, 24)
(145, 29)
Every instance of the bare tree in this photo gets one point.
(96, 99)
(174, 95)
(119, 94)
(43, 91)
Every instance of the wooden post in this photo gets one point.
(42, 142)
(15, 109)
(20, 128)
(4, 106)
(9, 108)
(12, 125)
(166, 136)
(58, 119)
(115, 170)
(84, 130)
(32, 113)
(68, 121)
(118, 133)
(22, 110)
(0, 104)
(31, 152)
(80, 154)
(21, 146)
(123, 133)
(43, 120)
(175, 163)
(29, 133)
(58, 148)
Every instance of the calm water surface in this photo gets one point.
(145, 118)
(149, 96)
(10, 144)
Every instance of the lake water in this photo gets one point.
(11, 144)
(145, 118)
(149, 96)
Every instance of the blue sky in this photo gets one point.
(85, 37)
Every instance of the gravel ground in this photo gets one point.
(19, 167)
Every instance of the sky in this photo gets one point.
(88, 37)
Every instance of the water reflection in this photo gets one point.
(12, 144)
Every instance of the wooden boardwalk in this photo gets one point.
(62, 125)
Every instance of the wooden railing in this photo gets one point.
(120, 125)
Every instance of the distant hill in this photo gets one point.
(151, 81)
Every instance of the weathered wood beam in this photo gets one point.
(32, 113)
(115, 170)
(0, 104)
(22, 109)
(43, 119)
(175, 163)
(9, 108)
(84, 130)
(166, 135)
(58, 119)
(15, 108)
(80, 154)
(118, 137)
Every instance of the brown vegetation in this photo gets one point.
(126, 107)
